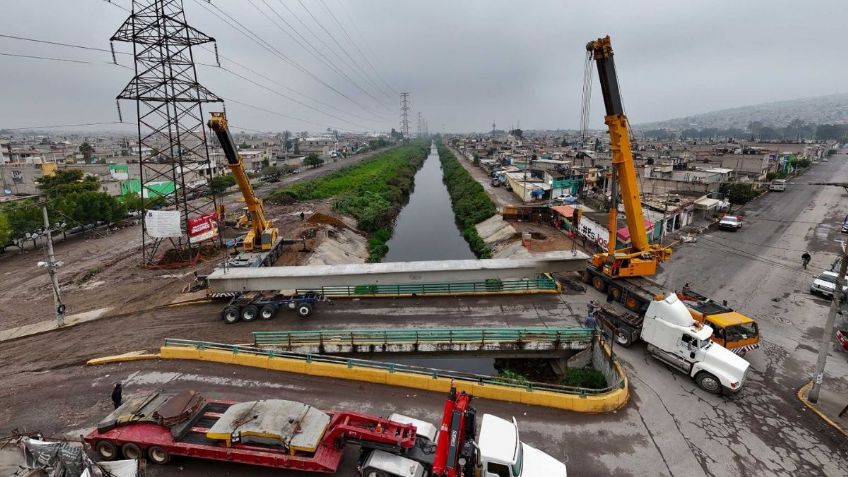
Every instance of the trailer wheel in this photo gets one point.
(615, 292)
(304, 310)
(599, 284)
(631, 303)
(230, 314)
(369, 472)
(267, 312)
(708, 382)
(585, 276)
(623, 338)
(249, 313)
(158, 455)
(106, 450)
(131, 451)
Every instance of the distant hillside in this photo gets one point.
(831, 109)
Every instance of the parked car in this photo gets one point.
(845, 225)
(730, 222)
(842, 337)
(825, 284)
(565, 199)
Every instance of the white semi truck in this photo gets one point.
(675, 338)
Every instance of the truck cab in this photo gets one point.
(731, 329)
(675, 338)
(502, 454)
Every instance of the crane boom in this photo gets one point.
(642, 257)
(262, 235)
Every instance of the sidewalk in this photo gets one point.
(831, 402)
(50, 325)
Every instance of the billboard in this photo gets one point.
(202, 228)
(162, 223)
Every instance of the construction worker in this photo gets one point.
(805, 259)
(116, 395)
(302, 215)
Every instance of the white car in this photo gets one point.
(825, 285)
(730, 222)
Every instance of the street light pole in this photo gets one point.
(827, 334)
(52, 265)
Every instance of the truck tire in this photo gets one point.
(131, 451)
(631, 303)
(708, 382)
(267, 312)
(158, 455)
(106, 450)
(249, 313)
(599, 283)
(230, 314)
(615, 292)
(304, 310)
(624, 338)
(370, 472)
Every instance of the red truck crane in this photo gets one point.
(292, 435)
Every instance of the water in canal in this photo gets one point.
(425, 228)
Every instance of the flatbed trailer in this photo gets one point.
(186, 425)
(252, 305)
(733, 330)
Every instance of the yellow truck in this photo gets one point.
(731, 329)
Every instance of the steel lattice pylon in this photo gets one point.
(171, 134)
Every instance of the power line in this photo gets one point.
(56, 43)
(276, 113)
(50, 58)
(230, 21)
(317, 54)
(364, 57)
(342, 48)
(54, 126)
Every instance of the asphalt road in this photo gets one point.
(670, 427)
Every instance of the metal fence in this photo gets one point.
(542, 283)
(416, 336)
(393, 368)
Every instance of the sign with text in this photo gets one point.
(594, 232)
(202, 228)
(162, 223)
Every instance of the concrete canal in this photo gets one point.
(425, 228)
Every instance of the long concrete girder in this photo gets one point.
(392, 273)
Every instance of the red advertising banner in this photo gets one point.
(203, 228)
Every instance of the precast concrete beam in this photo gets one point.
(392, 273)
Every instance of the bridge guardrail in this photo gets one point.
(434, 335)
(433, 373)
(544, 283)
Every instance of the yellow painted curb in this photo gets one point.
(135, 356)
(588, 404)
(804, 391)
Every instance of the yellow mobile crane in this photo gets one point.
(623, 273)
(641, 258)
(261, 245)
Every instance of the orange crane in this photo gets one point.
(641, 258)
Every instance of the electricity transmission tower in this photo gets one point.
(404, 115)
(420, 125)
(172, 151)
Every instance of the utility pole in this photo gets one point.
(404, 115)
(420, 125)
(51, 266)
(827, 334)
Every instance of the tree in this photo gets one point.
(737, 192)
(90, 207)
(5, 230)
(25, 220)
(67, 181)
(87, 150)
(133, 202)
(218, 185)
(312, 160)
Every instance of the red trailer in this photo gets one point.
(272, 433)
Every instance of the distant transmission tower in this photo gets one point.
(493, 129)
(404, 115)
(172, 151)
(420, 125)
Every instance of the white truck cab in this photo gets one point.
(502, 454)
(675, 338)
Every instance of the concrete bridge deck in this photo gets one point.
(501, 342)
(392, 273)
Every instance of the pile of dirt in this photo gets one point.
(319, 218)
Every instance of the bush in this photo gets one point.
(588, 378)
(738, 193)
(471, 204)
(510, 376)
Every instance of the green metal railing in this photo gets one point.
(419, 336)
(543, 283)
(393, 368)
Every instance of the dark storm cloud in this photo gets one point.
(466, 63)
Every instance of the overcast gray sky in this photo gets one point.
(466, 63)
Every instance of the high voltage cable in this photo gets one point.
(54, 126)
(277, 113)
(56, 43)
(350, 19)
(229, 20)
(321, 57)
(342, 48)
(50, 58)
(355, 45)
